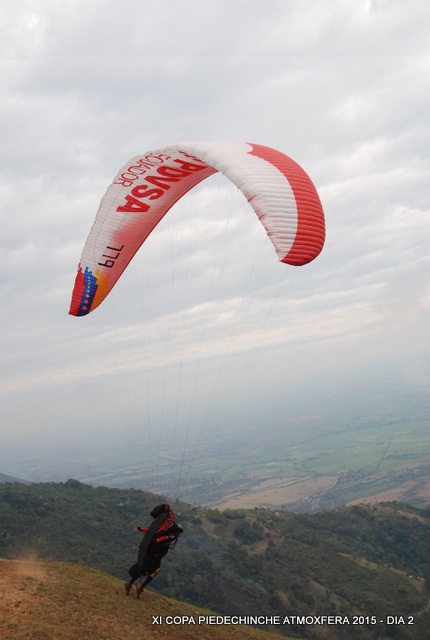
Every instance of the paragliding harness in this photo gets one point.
(164, 521)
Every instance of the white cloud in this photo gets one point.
(340, 86)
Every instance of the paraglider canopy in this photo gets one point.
(278, 189)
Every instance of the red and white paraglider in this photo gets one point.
(278, 189)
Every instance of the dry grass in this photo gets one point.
(56, 601)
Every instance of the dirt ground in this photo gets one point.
(19, 580)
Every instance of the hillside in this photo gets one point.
(358, 562)
(57, 601)
(6, 478)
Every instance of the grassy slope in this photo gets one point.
(58, 601)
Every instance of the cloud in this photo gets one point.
(205, 312)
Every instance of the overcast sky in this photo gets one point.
(206, 325)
